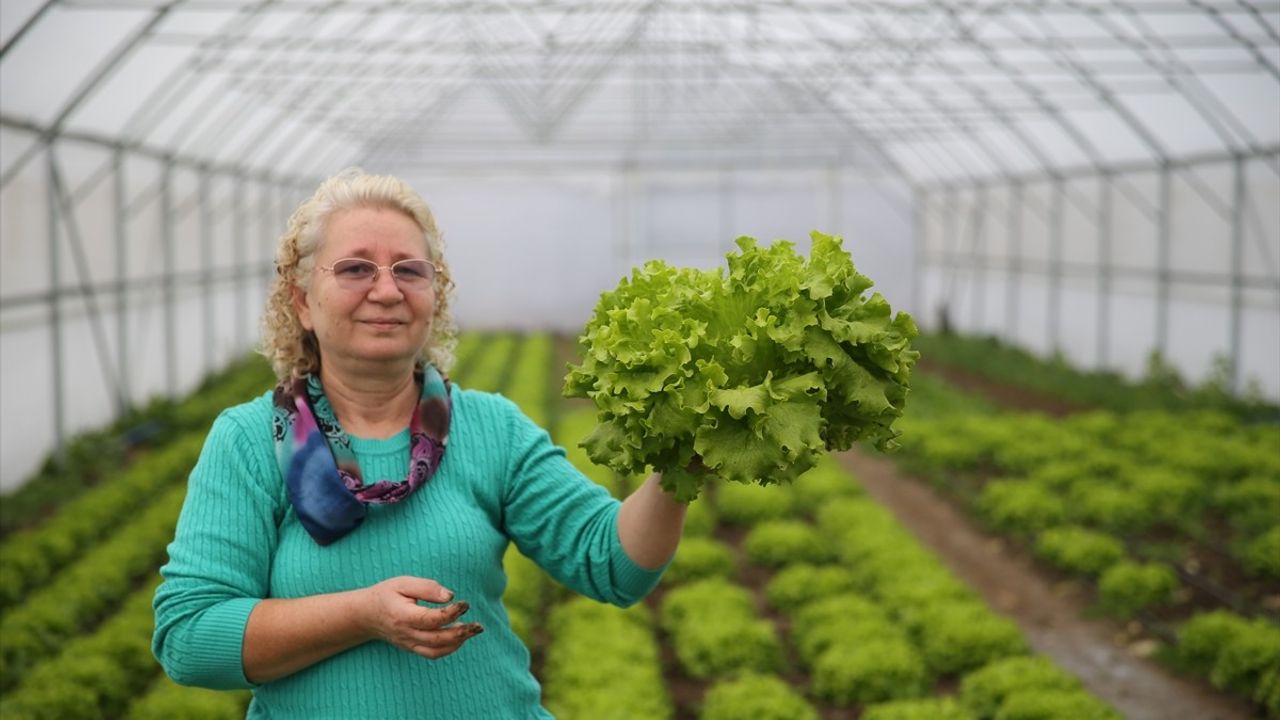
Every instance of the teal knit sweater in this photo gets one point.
(501, 481)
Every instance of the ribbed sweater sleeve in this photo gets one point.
(565, 522)
(221, 556)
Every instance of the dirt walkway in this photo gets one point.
(1049, 616)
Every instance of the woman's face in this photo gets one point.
(386, 323)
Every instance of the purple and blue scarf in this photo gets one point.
(320, 469)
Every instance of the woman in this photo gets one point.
(341, 543)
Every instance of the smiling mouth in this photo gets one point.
(383, 324)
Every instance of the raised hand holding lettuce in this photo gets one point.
(749, 376)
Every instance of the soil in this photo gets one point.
(1051, 614)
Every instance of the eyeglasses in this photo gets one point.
(361, 274)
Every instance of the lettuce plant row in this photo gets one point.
(167, 700)
(486, 368)
(87, 591)
(942, 627)
(1236, 653)
(1132, 503)
(527, 384)
(94, 675)
(464, 352)
(29, 558)
(877, 625)
(716, 631)
(700, 558)
(603, 661)
(752, 696)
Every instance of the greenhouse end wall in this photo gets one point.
(534, 251)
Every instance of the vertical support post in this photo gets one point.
(621, 220)
(725, 203)
(266, 209)
(1104, 225)
(1239, 200)
(238, 231)
(951, 246)
(979, 259)
(206, 272)
(121, 219)
(170, 291)
(1163, 241)
(1012, 289)
(639, 201)
(920, 233)
(1056, 221)
(835, 200)
(55, 305)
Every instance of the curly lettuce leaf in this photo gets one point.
(747, 375)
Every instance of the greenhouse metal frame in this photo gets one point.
(1033, 140)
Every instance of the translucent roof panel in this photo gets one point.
(934, 91)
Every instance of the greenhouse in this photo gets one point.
(995, 433)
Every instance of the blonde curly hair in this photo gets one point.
(290, 348)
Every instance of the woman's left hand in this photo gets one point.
(394, 615)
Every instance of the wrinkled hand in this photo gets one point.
(396, 617)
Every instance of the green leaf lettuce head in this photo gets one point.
(755, 372)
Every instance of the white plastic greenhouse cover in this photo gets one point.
(1096, 178)
(935, 90)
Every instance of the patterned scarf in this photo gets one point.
(320, 469)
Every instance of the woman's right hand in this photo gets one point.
(395, 616)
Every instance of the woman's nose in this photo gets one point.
(384, 285)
